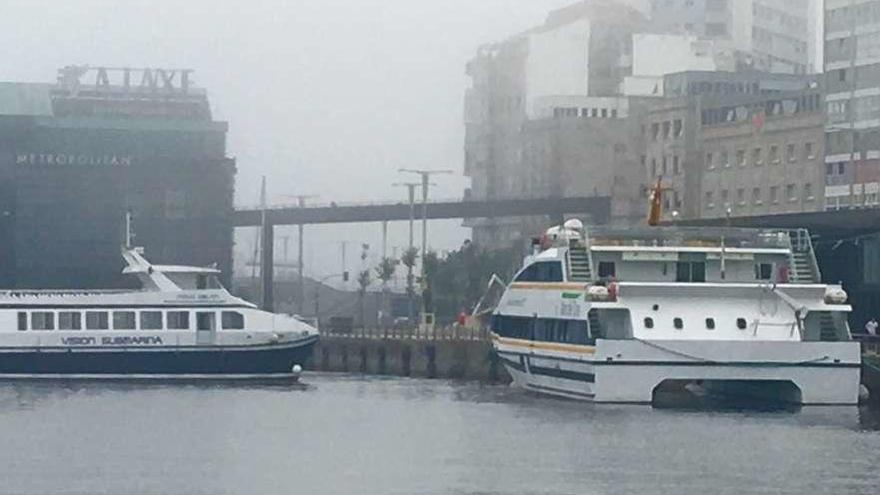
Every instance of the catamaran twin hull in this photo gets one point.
(632, 371)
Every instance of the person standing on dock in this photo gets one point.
(871, 327)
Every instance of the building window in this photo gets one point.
(757, 160)
(710, 200)
(677, 128)
(69, 320)
(725, 161)
(790, 153)
(663, 165)
(655, 131)
(232, 320)
(710, 323)
(756, 196)
(741, 158)
(653, 167)
(724, 198)
(841, 168)
(774, 194)
(97, 320)
(676, 169)
(123, 320)
(42, 320)
(791, 192)
(151, 320)
(774, 154)
(678, 323)
(667, 130)
(741, 196)
(649, 322)
(177, 320)
(808, 151)
(710, 164)
(808, 192)
(22, 320)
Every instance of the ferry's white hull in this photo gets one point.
(629, 371)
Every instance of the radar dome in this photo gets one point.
(574, 224)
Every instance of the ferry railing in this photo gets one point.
(734, 237)
(870, 344)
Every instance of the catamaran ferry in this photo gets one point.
(183, 323)
(620, 315)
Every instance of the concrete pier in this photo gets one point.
(447, 356)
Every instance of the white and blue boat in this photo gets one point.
(182, 324)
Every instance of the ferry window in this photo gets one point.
(764, 271)
(205, 321)
(123, 320)
(710, 323)
(69, 320)
(178, 320)
(690, 271)
(677, 323)
(232, 320)
(607, 269)
(530, 274)
(201, 282)
(649, 322)
(151, 320)
(42, 320)
(741, 323)
(22, 320)
(97, 320)
(542, 271)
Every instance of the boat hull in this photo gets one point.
(825, 373)
(276, 358)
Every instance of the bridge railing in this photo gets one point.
(453, 332)
(345, 204)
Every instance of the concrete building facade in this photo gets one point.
(852, 71)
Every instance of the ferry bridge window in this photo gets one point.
(97, 320)
(69, 320)
(542, 271)
(151, 320)
(22, 320)
(205, 321)
(764, 271)
(232, 320)
(690, 271)
(42, 320)
(123, 320)
(178, 320)
(607, 269)
(678, 323)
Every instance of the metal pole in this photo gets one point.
(266, 264)
(409, 269)
(301, 283)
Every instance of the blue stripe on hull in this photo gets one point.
(132, 360)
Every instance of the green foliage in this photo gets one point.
(364, 280)
(455, 283)
(385, 270)
(409, 257)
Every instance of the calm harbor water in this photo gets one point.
(347, 434)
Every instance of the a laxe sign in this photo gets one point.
(147, 80)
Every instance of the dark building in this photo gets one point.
(75, 156)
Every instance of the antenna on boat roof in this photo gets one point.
(129, 232)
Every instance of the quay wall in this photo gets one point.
(461, 357)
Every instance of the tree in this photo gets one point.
(409, 261)
(385, 272)
(364, 280)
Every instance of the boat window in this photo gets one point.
(690, 271)
(178, 320)
(541, 329)
(710, 323)
(607, 269)
(741, 323)
(764, 271)
(22, 320)
(97, 320)
(678, 323)
(542, 271)
(232, 320)
(123, 320)
(649, 322)
(69, 320)
(205, 320)
(42, 320)
(201, 282)
(151, 320)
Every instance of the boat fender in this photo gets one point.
(835, 295)
(275, 338)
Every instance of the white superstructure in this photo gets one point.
(614, 316)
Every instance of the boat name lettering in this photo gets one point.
(78, 341)
(140, 340)
(517, 303)
(571, 309)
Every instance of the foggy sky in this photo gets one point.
(326, 97)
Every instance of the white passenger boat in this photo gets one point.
(618, 315)
(182, 324)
